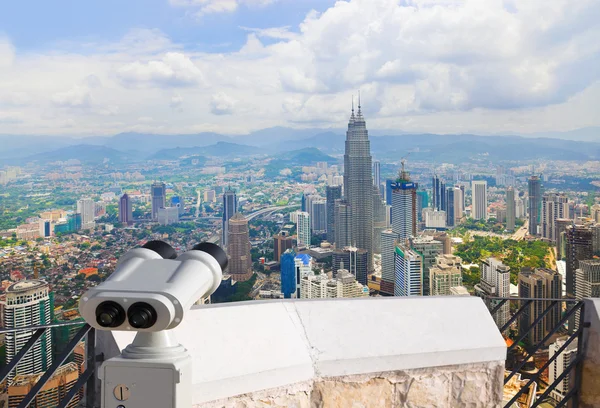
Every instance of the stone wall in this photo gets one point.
(469, 386)
(590, 381)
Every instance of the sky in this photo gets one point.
(83, 68)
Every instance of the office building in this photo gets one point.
(288, 274)
(554, 206)
(561, 237)
(559, 365)
(209, 196)
(238, 249)
(479, 205)
(281, 243)
(495, 282)
(332, 193)
(588, 279)
(168, 215)
(177, 201)
(445, 274)
(28, 303)
(388, 191)
(388, 267)
(343, 224)
(303, 229)
(450, 208)
(230, 205)
(380, 218)
(86, 207)
(125, 210)
(429, 249)
(404, 206)
(511, 209)
(303, 264)
(438, 193)
(595, 213)
(46, 229)
(434, 218)
(318, 217)
(158, 193)
(579, 247)
(376, 174)
(354, 260)
(408, 272)
(540, 283)
(358, 184)
(422, 202)
(534, 185)
(344, 285)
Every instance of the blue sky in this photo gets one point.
(232, 66)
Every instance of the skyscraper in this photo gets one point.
(553, 206)
(379, 219)
(178, 202)
(376, 173)
(358, 183)
(495, 282)
(318, 217)
(388, 245)
(343, 223)
(230, 204)
(303, 228)
(535, 201)
(240, 260)
(445, 273)
(28, 303)
(354, 260)
(281, 243)
(579, 248)
(459, 204)
(408, 272)
(288, 274)
(450, 211)
(561, 237)
(436, 195)
(540, 283)
(588, 279)
(86, 207)
(559, 365)
(404, 206)
(511, 209)
(480, 201)
(422, 202)
(125, 210)
(428, 249)
(158, 191)
(332, 193)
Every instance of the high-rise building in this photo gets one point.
(28, 303)
(588, 279)
(168, 215)
(379, 219)
(561, 237)
(559, 365)
(388, 267)
(86, 207)
(422, 202)
(344, 285)
(553, 206)
(332, 193)
(428, 249)
(595, 212)
(355, 260)
(388, 191)
(158, 192)
(436, 193)
(445, 273)
(495, 282)
(302, 267)
(343, 223)
(209, 196)
(358, 183)
(540, 283)
(46, 229)
(579, 248)
(434, 218)
(510, 209)
(450, 209)
(230, 205)
(535, 202)
(240, 260)
(404, 206)
(179, 203)
(408, 272)
(318, 216)
(125, 210)
(288, 274)
(303, 229)
(376, 173)
(479, 206)
(281, 243)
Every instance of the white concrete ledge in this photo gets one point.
(245, 347)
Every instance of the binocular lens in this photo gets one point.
(110, 314)
(141, 315)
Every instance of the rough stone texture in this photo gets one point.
(468, 386)
(590, 381)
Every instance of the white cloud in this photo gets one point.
(173, 69)
(218, 6)
(176, 102)
(7, 52)
(222, 104)
(76, 97)
(280, 33)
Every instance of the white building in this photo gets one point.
(303, 228)
(388, 244)
(445, 274)
(558, 366)
(434, 218)
(168, 215)
(87, 208)
(553, 206)
(344, 285)
(480, 200)
(408, 272)
(27, 304)
(495, 282)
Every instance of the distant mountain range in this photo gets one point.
(312, 145)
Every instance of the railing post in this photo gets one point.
(90, 388)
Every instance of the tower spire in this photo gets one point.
(359, 111)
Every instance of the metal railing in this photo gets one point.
(86, 381)
(539, 322)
